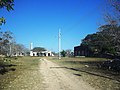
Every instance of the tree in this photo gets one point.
(5, 42)
(39, 49)
(63, 53)
(18, 48)
(110, 31)
(115, 4)
(112, 11)
(2, 20)
(68, 52)
(5, 36)
(8, 4)
(106, 41)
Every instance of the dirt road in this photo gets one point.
(56, 78)
(48, 76)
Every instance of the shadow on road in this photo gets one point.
(6, 68)
(88, 72)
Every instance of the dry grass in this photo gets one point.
(87, 69)
(17, 67)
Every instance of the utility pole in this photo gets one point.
(10, 53)
(10, 47)
(31, 47)
(59, 44)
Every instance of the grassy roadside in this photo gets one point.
(15, 67)
(87, 69)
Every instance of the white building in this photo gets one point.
(41, 53)
(18, 54)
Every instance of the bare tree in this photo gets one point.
(68, 52)
(5, 42)
(112, 11)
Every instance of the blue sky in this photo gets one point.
(38, 21)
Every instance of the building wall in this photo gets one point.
(18, 54)
(81, 51)
(42, 53)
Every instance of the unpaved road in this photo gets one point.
(48, 76)
(56, 78)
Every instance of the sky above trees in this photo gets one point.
(38, 21)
